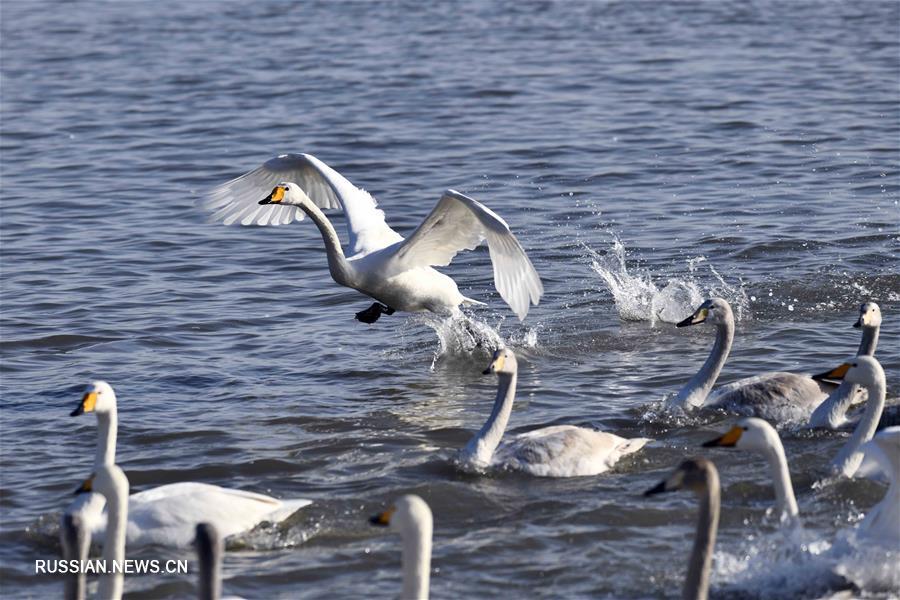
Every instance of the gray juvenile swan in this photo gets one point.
(701, 477)
(769, 395)
(559, 451)
(396, 272)
(411, 517)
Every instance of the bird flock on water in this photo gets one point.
(400, 274)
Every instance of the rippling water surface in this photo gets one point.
(646, 155)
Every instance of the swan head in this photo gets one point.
(286, 193)
(715, 311)
(747, 434)
(695, 474)
(864, 370)
(109, 481)
(869, 316)
(408, 516)
(503, 361)
(99, 397)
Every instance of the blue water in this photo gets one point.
(746, 149)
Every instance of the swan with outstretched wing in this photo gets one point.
(398, 273)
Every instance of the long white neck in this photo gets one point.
(850, 457)
(340, 270)
(696, 584)
(481, 448)
(107, 429)
(416, 564)
(786, 503)
(832, 412)
(697, 389)
(114, 546)
(76, 541)
(869, 341)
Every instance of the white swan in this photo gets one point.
(209, 546)
(397, 273)
(755, 434)
(770, 395)
(559, 451)
(882, 522)
(75, 541)
(832, 413)
(111, 483)
(411, 517)
(168, 514)
(700, 476)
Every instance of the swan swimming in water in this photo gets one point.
(168, 514)
(398, 273)
(770, 395)
(882, 522)
(559, 451)
(701, 477)
(411, 517)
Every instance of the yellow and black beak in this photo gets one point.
(87, 486)
(87, 404)
(275, 197)
(836, 374)
(496, 364)
(726, 441)
(698, 317)
(383, 519)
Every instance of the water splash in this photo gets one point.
(639, 298)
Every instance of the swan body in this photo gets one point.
(700, 476)
(832, 413)
(558, 451)
(380, 263)
(778, 396)
(411, 517)
(882, 523)
(168, 514)
(757, 435)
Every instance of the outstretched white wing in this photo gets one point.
(238, 200)
(461, 223)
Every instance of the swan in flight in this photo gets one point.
(110, 482)
(411, 517)
(882, 522)
(770, 395)
(559, 451)
(168, 514)
(832, 413)
(398, 273)
(209, 546)
(700, 476)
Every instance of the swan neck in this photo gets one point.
(697, 389)
(337, 262)
(481, 448)
(869, 341)
(696, 585)
(111, 585)
(107, 429)
(850, 457)
(76, 542)
(210, 567)
(416, 563)
(786, 503)
(832, 412)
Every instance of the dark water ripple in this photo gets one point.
(748, 148)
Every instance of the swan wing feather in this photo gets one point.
(459, 223)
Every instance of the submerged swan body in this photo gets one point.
(777, 396)
(700, 476)
(559, 451)
(168, 514)
(396, 272)
(411, 517)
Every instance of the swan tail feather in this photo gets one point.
(475, 302)
(287, 508)
(633, 445)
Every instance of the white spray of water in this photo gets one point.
(639, 298)
(461, 335)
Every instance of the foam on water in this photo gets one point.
(639, 297)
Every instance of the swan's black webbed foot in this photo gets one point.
(371, 314)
